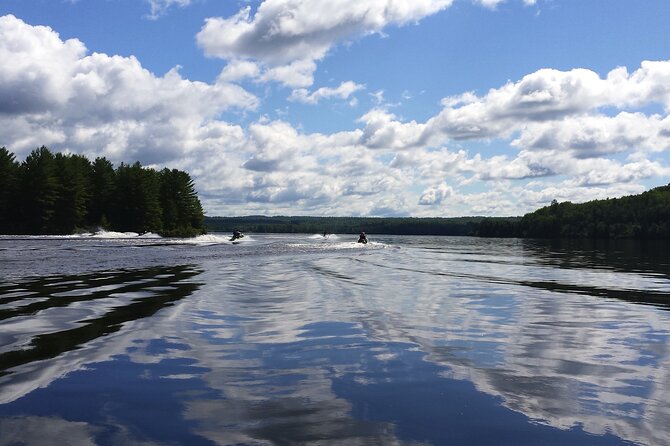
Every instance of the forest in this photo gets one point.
(643, 216)
(57, 193)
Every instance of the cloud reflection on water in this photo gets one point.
(303, 347)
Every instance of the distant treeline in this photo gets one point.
(346, 225)
(64, 193)
(644, 216)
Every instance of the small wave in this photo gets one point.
(209, 239)
(102, 234)
(323, 237)
(113, 234)
(149, 235)
(339, 245)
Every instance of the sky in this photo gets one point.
(425, 108)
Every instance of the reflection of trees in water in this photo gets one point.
(61, 308)
(648, 256)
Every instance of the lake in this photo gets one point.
(118, 339)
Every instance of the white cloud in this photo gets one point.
(343, 91)
(36, 71)
(570, 135)
(237, 70)
(159, 7)
(282, 31)
(74, 99)
(295, 34)
(297, 74)
(539, 101)
(596, 135)
(435, 195)
(493, 4)
(383, 131)
(378, 97)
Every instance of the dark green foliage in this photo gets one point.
(103, 192)
(347, 225)
(39, 192)
(73, 174)
(9, 187)
(499, 227)
(63, 193)
(643, 216)
(137, 205)
(182, 211)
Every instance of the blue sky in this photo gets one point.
(344, 107)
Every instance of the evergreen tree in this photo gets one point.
(39, 191)
(103, 190)
(182, 212)
(9, 187)
(137, 206)
(74, 192)
(58, 194)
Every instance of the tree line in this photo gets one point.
(59, 193)
(346, 225)
(643, 216)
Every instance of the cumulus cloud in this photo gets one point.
(435, 195)
(53, 90)
(596, 135)
(36, 70)
(383, 131)
(297, 74)
(290, 36)
(544, 103)
(237, 70)
(570, 135)
(343, 91)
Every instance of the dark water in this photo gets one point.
(287, 339)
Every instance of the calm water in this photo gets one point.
(287, 339)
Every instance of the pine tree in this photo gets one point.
(137, 205)
(9, 187)
(182, 212)
(74, 193)
(39, 191)
(103, 190)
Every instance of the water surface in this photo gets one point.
(300, 339)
